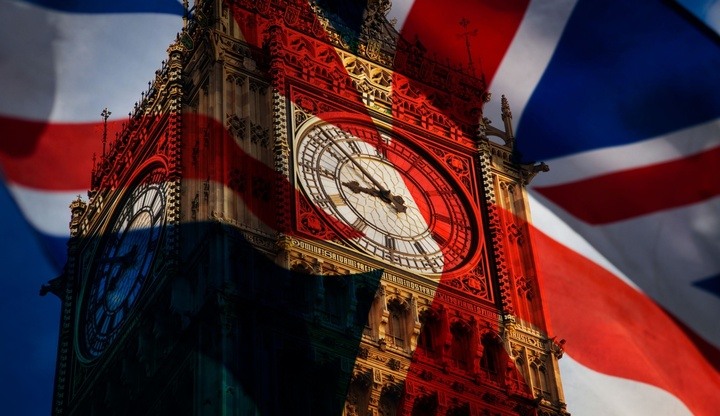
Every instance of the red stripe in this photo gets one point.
(52, 157)
(616, 330)
(472, 36)
(491, 25)
(622, 195)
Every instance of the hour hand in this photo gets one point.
(124, 260)
(395, 200)
(357, 188)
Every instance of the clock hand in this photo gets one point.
(355, 187)
(395, 200)
(126, 260)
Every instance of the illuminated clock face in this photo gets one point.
(407, 212)
(123, 264)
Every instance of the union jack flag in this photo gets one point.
(621, 99)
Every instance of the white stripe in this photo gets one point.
(672, 146)
(48, 212)
(528, 55)
(549, 223)
(399, 10)
(590, 393)
(70, 66)
(663, 254)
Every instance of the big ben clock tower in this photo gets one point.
(305, 215)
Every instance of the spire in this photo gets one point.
(507, 121)
(77, 210)
(105, 115)
(466, 34)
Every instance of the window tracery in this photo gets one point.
(460, 350)
(397, 333)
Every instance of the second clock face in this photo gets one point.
(407, 212)
(123, 264)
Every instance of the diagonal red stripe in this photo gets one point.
(50, 156)
(619, 331)
(622, 195)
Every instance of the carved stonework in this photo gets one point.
(310, 223)
(259, 135)
(237, 126)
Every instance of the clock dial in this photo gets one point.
(405, 209)
(123, 264)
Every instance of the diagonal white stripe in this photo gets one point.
(672, 146)
(663, 253)
(590, 393)
(47, 211)
(528, 56)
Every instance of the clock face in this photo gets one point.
(407, 212)
(122, 264)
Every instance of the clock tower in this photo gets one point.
(305, 215)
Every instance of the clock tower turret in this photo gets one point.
(303, 215)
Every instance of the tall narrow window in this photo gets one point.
(430, 323)
(358, 397)
(389, 400)
(460, 350)
(490, 361)
(397, 324)
(539, 378)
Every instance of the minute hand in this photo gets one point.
(395, 200)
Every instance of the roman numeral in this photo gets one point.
(443, 218)
(359, 224)
(354, 148)
(326, 173)
(439, 239)
(381, 152)
(337, 200)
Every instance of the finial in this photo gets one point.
(507, 120)
(505, 107)
(105, 115)
(186, 12)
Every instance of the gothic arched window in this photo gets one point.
(397, 332)
(389, 400)
(490, 360)
(539, 378)
(358, 397)
(460, 350)
(429, 333)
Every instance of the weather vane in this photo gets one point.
(466, 34)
